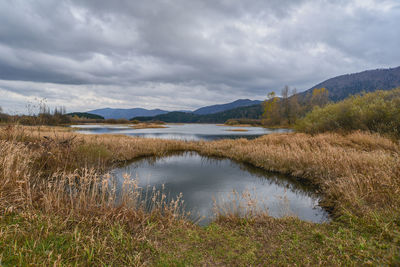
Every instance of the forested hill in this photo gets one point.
(223, 107)
(250, 112)
(118, 113)
(343, 86)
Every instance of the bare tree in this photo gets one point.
(294, 107)
(285, 103)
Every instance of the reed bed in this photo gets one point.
(356, 171)
(48, 173)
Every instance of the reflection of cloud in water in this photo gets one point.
(189, 132)
(201, 179)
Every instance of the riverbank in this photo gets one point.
(357, 174)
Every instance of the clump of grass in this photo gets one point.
(238, 205)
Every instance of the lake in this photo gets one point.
(189, 132)
(202, 179)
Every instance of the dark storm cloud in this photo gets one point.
(183, 54)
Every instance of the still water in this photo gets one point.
(190, 132)
(202, 179)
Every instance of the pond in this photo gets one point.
(204, 181)
(189, 132)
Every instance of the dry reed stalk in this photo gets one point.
(358, 170)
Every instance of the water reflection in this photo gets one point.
(190, 132)
(201, 179)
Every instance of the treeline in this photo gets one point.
(284, 111)
(85, 115)
(376, 112)
(250, 112)
(58, 117)
(46, 116)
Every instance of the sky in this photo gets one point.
(184, 54)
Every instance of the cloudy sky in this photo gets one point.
(183, 54)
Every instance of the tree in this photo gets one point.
(294, 107)
(319, 97)
(271, 114)
(285, 107)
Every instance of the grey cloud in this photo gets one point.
(208, 50)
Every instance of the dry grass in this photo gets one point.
(358, 170)
(147, 126)
(57, 176)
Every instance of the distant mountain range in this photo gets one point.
(339, 88)
(343, 86)
(250, 112)
(119, 113)
(112, 113)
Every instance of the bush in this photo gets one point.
(376, 112)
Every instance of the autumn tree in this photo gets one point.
(294, 107)
(271, 114)
(319, 97)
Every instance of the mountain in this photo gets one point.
(249, 112)
(117, 113)
(339, 88)
(113, 113)
(343, 86)
(222, 107)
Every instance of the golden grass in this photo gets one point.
(359, 169)
(56, 172)
(147, 126)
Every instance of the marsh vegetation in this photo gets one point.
(55, 209)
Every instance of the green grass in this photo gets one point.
(46, 240)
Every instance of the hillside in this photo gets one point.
(117, 113)
(342, 86)
(250, 112)
(223, 107)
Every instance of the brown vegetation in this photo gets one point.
(148, 125)
(357, 169)
(55, 175)
(243, 122)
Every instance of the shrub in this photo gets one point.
(376, 112)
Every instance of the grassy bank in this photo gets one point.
(41, 223)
